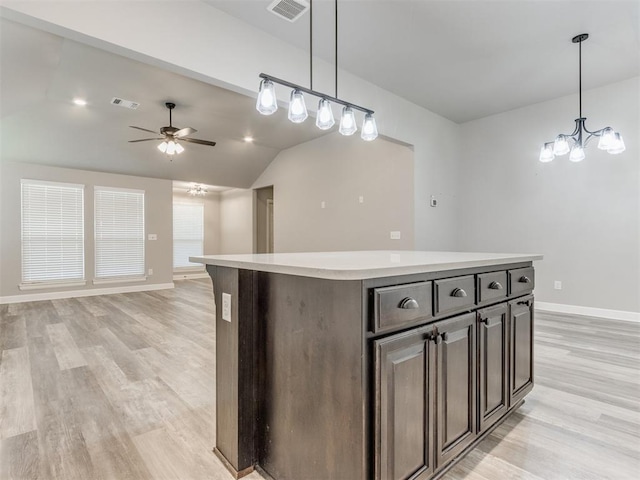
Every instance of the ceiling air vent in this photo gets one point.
(124, 103)
(290, 10)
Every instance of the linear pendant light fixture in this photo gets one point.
(574, 143)
(267, 102)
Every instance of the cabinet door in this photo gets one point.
(456, 386)
(493, 356)
(521, 348)
(404, 406)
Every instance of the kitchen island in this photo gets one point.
(359, 365)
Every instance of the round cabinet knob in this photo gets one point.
(409, 304)
(495, 286)
(524, 279)
(458, 292)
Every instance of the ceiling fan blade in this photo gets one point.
(145, 140)
(184, 132)
(143, 129)
(201, 142)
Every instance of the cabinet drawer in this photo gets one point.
(454, 294)
(401, 304)
(492, 286)
(521, 280)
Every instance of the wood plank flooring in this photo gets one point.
(122, 387)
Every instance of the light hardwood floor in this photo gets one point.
(122, 387)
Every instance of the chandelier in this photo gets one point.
(197, 191)
(267, 102)
(574, 143)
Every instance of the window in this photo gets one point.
(52, 233)
(188, 234)
(119, 232)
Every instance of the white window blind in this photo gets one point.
(188, 234)
(52, 232)
(119, 232)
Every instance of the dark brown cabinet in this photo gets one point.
(425, 398)
(404, 406)
(521, 347)
(456, 385)
(493, 362)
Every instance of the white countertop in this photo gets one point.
(362, 265)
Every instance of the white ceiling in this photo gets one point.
(466, 59)
(41, 73)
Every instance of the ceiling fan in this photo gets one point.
(171, 135)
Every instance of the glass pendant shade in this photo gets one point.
(163, 147)
(617, 145)
(607, 139)
(577, 154)
(297, 108)
(369, 128)
(560, 145)
(171, 147)
(546, 153)
(324, 120)
(267, 102)
(179, 148)
(348, 122)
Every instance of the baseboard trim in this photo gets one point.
(190, 276)
(34, 297)
(588, 311)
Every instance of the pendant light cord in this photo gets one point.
(311, 44)
(336, 45)
(580, 74)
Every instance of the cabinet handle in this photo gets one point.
(484, 320)
(458, 292)
(526, 302)
(524, 279)
(438, 339)
(409, 304)
(495, 286)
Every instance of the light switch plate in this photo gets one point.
(395, 235)
(226, 307)
(152, 236)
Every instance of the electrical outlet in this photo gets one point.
(434, 201)
(226, 307)
(395, 235)
(152, 236)
(150, 271)
(361, 199)
(557, 285)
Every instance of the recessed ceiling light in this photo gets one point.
(248, 139)
(80, 102)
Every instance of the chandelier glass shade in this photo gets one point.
(575, 143)
(197, 191)
(267, 102)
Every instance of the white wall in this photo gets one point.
(338, 170)
(211, 203)
(584, 217)
(236, 221)
(158, 219)
(194, 49)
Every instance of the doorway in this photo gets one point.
(264, 220)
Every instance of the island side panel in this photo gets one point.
(313, 395)
(236, 401)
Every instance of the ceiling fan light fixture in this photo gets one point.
(163, 147)
(171, 147)
(179, 148)
(267, 102)
(348, 122)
